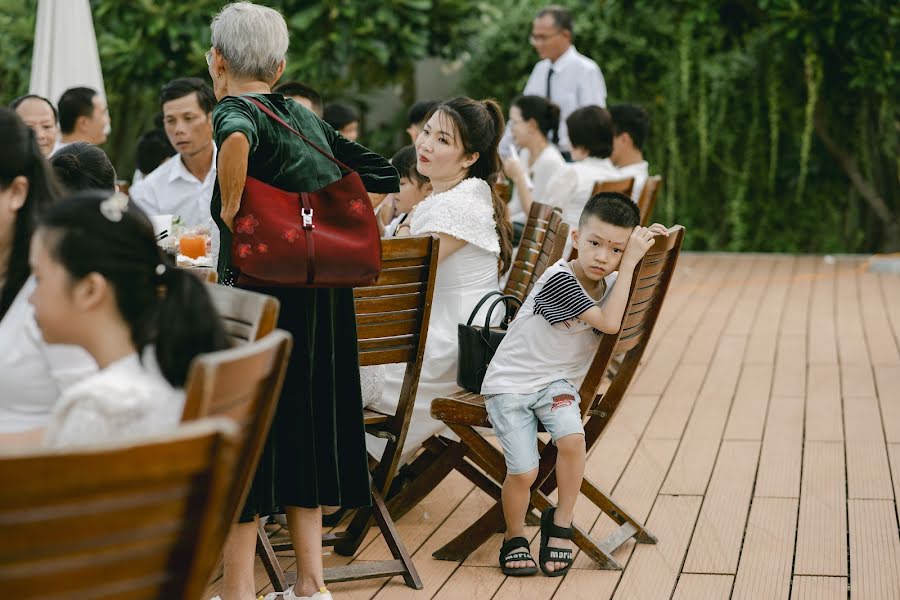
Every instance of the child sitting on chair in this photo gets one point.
(538, 367)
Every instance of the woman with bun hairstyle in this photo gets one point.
(534, 121)
(82, 166)
(104, 285)
(457, 152)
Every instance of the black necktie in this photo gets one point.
(549, 77)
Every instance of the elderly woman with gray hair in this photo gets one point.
(316, 452)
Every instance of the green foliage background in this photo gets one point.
(775, 122)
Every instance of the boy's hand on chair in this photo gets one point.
(659, 229)
(640, 241)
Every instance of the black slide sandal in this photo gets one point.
(507, 556)
(551, 554)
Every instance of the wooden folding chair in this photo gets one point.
(391, 326)
(647, 201)
(623, 186)
(247, 315)
(465, 411)
(141, 521)
(542, 245)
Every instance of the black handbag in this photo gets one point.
(477, 345)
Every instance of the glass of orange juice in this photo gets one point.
(193, 243)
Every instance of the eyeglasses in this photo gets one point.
(540, 38)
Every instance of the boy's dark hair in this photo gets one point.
(339, 115)
(184, 86)
(632, 119)
(419, 111)
(83, 166)
(296, 88)
(75, 102)
(562, 18)
(591, 127)
(405, 163)
(15, 103)
(152, 149)
(613, 208)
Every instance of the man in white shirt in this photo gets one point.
(183, 185)
(564, 76)
(631, 124)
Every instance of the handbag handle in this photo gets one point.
(480, 304)
(505, 299)
(278, 119)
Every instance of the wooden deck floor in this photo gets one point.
(760, 441)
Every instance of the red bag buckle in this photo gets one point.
(307, 215)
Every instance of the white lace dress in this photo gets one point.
(126, 399)
(462, 279)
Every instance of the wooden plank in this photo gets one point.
(751, 401)
(703, 587)
(716, 545)
(857, 380)
(763, 341)
(790, 368)
(819, 588)
(824, 415)
(879, 337)
(516, 588)
(894, 454)
(782, 449)
(888, 383)
(868, 473)
(874, 550)
(696, 455)
(746, 310)
(613, 450)
(765, 567)
(822, 526)
(796, 308)
(822, 332)
(587, 584)
(890, 291)
(653, 569)
(472, 582)
(675, 405)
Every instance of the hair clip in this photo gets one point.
(113, 207)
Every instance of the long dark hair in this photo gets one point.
(82, 166)
(20, 155)
(89, 232)
(544, 113)
(480, 125)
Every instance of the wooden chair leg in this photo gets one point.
(270, 560)
(617, 514)
(426, 481)
(393, 541)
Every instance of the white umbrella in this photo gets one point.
(65, 49)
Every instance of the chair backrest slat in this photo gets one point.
(137, 521)
(623, 186)
(647, 201)
(542, 244)
(247, 315)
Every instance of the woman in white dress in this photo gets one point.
(32, 373)
(457, 151)
(533, 121)
(102, 284)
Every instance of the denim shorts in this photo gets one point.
(515, 419)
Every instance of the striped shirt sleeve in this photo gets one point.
(561, 299)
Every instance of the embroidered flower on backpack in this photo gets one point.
(357, 206)
(246, 224)
(244, 250)
(262, 248)
(290, 235)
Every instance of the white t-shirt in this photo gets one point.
(126, 399)
(173, 190)
(640, 171)
(547, 341)
(571, 187)
(547, 164)
(33, 373)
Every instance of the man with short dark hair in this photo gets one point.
(563, 75)
(83, 116)
(415, 117)
(183, 186)
(302, 94)
(344, 118)
(631, 124)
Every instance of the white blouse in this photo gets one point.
(545, 166)
(33, 373)
(126, 399)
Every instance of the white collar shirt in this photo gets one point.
(173, 190)
(577, 81)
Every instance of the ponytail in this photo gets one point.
(187, 324)
(504, 227)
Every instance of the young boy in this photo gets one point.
(535, 374)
